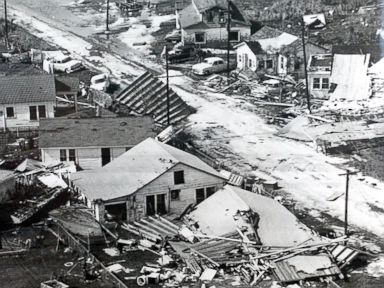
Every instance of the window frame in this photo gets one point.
(178, 177)
(267, 62)
(316, 84)
(13, 112)
(72, 157)
(63, 155)
(238, 36)
(172, 196)
(33, 108)
(327, 84)
(204, 36)
(42, 108)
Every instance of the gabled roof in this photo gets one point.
(66, 84)
(27, 89)
(95, 132)
(189, 16)
(266, 32)
(253, 45)
(135, 169)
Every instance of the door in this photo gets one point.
(150, 205)
(246, 64)
(32, 113)
(160, 205)
(105, 156)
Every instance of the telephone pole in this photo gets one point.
(167, 83)
(228, 38)
(107, 20)
(305, 67)
(6, 24)
(347, 174)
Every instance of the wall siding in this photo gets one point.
(87, 158)
(21, 119)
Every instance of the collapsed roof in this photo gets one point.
(276, 225)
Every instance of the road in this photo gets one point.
(227, 127)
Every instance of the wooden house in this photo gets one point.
(25, 100)
(204, 23)
(151, 178)
(319, 74)
(92, 142)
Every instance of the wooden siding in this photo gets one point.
(244, 54)
(87, 158)
(194, 179)
(21, 119)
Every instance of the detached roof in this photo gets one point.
(349, 73)
(276, 227)
(95, 132)
(27, 89)
(134, 169)
(66, 84)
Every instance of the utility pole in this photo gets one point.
(6, 24)
(347, 174)
(107, 21)
(167, 84)
(228, 38)
(305, 67)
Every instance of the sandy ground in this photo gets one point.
(228, 128)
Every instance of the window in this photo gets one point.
(316, 83)
(178, 177)
(250, 63)
(239, 57)
(42, 113)
(210, 16)
(325, 83)
(10, 113)
(200, 195)
(72, 155)
(268, 64)
(63, 155)
(261, 65)
(32, 113)
(200, 38)
(281, 63)
(234, 36)
(175, 195)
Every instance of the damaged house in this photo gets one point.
(319, 74)
(204, 23)
(151, 178)
(25, 100)
(92, 142)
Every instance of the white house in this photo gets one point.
(250, 55)
(319, 74)
(151, 178)
(92, 142)
(25, 100)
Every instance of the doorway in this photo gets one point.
(105, 156)
(156, 204)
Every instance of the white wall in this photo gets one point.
(21, 117)
(243, 55)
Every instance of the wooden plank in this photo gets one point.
(207, 258)
(162, 224)
(156, 228)
(168, 222)
(145, 228)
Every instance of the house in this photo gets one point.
(204, 23)
(250, 55)
(92, 142)
(319, 74)
(151, 178)
(25, 100)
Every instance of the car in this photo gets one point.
(65, 64)
(181, 54)
(210, 65)
(174, 36)
(100, 82)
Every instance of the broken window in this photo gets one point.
(32, 113)
(325, 83)
(72, 155)
(178, 177)
(42, 113)
(10, 112)
(316, 83)
(200, 195)
(175, 195)
(268, 64)
(199, 37)
(234, 36)
(63, 155)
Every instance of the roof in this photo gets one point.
(374, 49)
(276, 43)
(349, 73)
(27, 89)
(134, 169)
(315, 21)
(266, 32)
(66, 84)
(320, 62)
(203, 5)
(95, 132)
(147, 95)
(189, 16)
(287, 230)
(254, 46)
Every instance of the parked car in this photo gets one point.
(65, 64)
(100, 82)
(210, 65)
(174, 36)
(181, 54)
